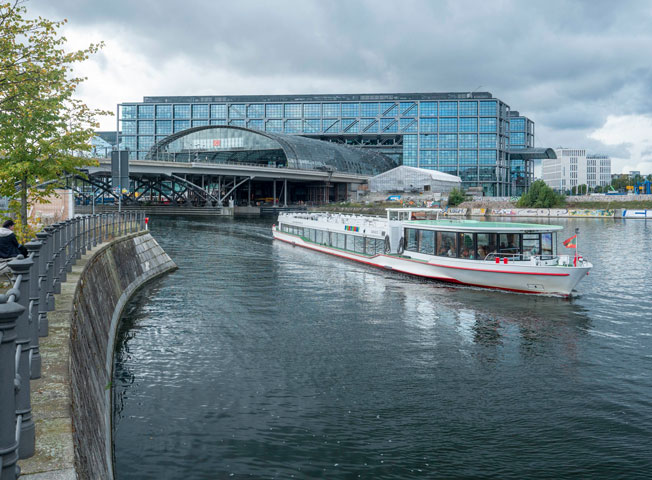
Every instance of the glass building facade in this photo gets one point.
(521, 136)
(464, 134)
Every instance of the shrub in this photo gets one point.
(455, 197)
(541, 195)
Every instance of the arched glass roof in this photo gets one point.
(226, 144)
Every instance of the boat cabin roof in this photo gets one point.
(481, 226)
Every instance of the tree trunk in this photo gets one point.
(23, 205)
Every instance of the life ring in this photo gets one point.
(387, 244)
(401, 247)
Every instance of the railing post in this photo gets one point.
(9, 313)
(70, 228)
(56, 256)
(44, 257)
(49, 281)
(94, 229)
(20, 268)
(62, 254)
(82, 235)
(34, 248)
(113, 224)
(78, 242)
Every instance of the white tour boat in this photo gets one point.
(517, 257)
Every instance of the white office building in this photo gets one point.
(574, 167)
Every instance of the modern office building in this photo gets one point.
(464, 134)
(574, 167)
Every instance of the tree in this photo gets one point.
(455, 197)
(43, 129)
(540, 195)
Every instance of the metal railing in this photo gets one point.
(23, 318)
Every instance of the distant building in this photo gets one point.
(521, 136)
(634, 173)
(574, 167)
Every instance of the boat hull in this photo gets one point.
(522, 277)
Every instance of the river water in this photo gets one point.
(257, 359)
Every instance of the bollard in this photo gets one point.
(34, 249)
(43, 325)
(21, 268)
(9, 313)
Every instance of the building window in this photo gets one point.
(180, 125)
(145, 111)
(200, 111)
(369, 110)
(163, 111)
(256, 110)
(468, 109)
(164, 127)
(447, 125)
(182, 111)
(468, 124)
(145, 143)
(221, 121)
(350, 109)
(408, 109)
(448, 141)
(388, 109)
(199, 123)
(330, 125)
(255, 124)
(447, 157)
(237, 110)
(427, 125)
(129, 127)
(331, 110)
(274, 110)
(517, 138)
(292, 110)
(312, 110)
(129, 142)
(369, 125)
(517, 125)
(237, 123)
(311, 126)
(146, 127)
(408, 124)
(468, 157)
(292, 126)
(129, 111)
(274, 125)
(218, 111)
(428, 157)
(349, 125)
(388, 125)
(488, 108)
(447, 109)
(428, 109)
(488, 125)
(428, 141)
(488, 140)
(468, 141)
(488, 157)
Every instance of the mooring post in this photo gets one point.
(9, 313)
(27, 440)
(34, 248)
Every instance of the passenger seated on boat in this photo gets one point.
(465, 253)
(450, 252)
(481, 252)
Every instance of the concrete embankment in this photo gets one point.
(71, 402)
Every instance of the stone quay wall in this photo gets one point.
(107, 282)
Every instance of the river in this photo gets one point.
(257, 359)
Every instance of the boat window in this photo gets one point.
(427, 242)
(486, 244)
(531, 245)
(510, 243)
(446, 244)
(312, 234)
(546, 244)
(392, 215)
(358, 243)
(319, 236)
(349, 242)
(340, 240)
(467, 246)
(411, 242)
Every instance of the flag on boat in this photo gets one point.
(571, 242)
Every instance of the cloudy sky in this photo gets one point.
(582, 70)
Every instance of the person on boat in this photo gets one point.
(482, 253)
(451, 251)
(9, 246)
(465, 253)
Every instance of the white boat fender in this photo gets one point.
(401, 246)
(387, 244)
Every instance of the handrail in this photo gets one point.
(23, 317)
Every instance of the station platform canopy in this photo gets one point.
(412, 179)
(237, 145)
